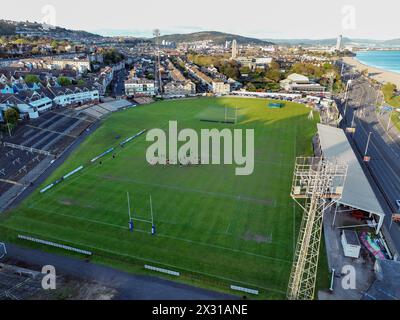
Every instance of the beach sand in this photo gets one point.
(379, 75)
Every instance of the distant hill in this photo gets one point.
(332, 42)
(393, 42)
(309, 42)
(292, 41)
(216, 37)
(9, 28)
(6, 28)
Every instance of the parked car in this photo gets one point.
(358, 214)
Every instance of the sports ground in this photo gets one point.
(214, 227)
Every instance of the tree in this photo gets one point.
(11, 116)
(112, 56)
(230, 69)
(244, 70)
(251, 87)
(54, 44)
(388, 90)
(35, 50)
(308, 69)
(365, 72)
(274, 66)
(31, 79)
(64, 81)
(274, 75)
(21, 41)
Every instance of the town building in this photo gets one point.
(234, 49)
(179, 88)
(220, 87)
(197, 74)
(30, 103)
(247, 62)
(139, 88)
(80, 65)
(263, 62)
(339, 43)
(74, 95)
(300, 83)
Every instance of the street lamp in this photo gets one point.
(341, 72)
(389, 121)
(366, 158)
(378, 96)
(352, 121)
(346, 97)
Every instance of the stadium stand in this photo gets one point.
(18, 283)
(93, 113)
(143, 100)
(36, 143)
(41, 139)
(103, 109)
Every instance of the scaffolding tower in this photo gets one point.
(317, 184)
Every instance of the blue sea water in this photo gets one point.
(387, 60)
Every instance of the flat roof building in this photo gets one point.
(300, 83)
(357, 190)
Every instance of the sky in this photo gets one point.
(285, 19)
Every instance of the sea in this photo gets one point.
(387, 60)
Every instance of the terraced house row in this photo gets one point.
(33, 98)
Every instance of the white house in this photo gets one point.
(24, 108)
(263, 60)
(139, 87)
(75, 95)
(81, 65)
(177, 88)
(41, 103)
(298, 82)
(220, 87)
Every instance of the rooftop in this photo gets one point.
(357, 192)
(299, 78)
(140, 81)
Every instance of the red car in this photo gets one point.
(358, 214)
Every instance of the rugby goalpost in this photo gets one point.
(228, 118)
(133, 219)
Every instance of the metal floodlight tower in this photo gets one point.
(156, 34)
(317, 184)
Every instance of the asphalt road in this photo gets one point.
(384, 167)
(129, 286)
(118, 84)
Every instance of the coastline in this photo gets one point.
(380, 75)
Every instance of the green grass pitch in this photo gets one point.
(213, 226)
